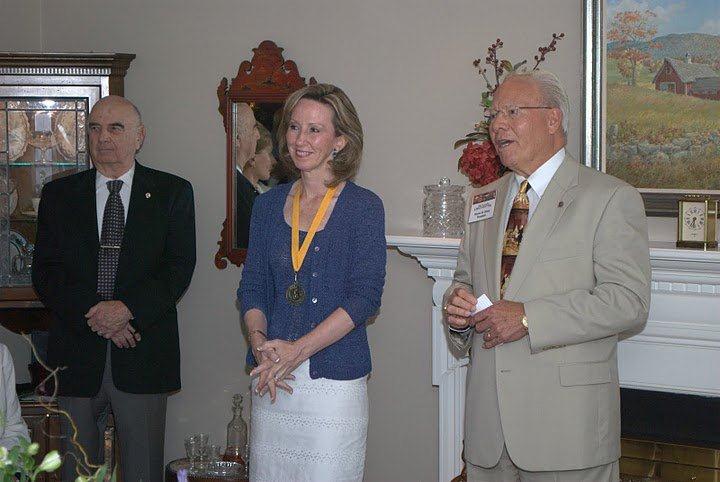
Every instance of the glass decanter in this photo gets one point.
(237, 434)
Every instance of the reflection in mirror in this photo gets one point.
(255, 161)
(245, 136)
(250, 106)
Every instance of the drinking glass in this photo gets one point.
(197, 450)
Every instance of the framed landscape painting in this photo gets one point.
(652, 96)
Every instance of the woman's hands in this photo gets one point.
(279, 359)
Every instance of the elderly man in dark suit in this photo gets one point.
(115, 251)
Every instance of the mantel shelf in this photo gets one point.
(442, 253)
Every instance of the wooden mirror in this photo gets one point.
(251, 107)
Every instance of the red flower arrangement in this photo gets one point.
(480, 163)
(479, 160)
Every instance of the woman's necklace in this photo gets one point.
(295, 294)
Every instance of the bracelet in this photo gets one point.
(460, 331)
(257, 331)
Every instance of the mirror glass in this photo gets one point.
(255, 155)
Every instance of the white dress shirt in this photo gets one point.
(102, 194)
(538, 181)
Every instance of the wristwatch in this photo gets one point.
(524, 322)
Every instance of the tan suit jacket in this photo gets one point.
(583, 274)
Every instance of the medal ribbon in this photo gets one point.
(299, 252)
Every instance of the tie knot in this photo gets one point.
(114, 186)
(524, 186)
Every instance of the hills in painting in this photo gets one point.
(663, 111)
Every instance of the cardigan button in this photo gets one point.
(314, 274)
(314, 300)
(317, 248)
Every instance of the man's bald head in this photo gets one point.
(116, 133)
(120, 101)
(246, 133)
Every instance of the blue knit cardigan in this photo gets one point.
(344, 268)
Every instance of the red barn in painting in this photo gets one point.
(686, 78)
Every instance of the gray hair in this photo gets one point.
(551, 89)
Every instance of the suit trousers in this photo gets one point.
(139, 425)
(507, 471)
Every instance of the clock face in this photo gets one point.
(694, 217)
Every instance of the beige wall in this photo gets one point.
(21, 25)
(407, 65)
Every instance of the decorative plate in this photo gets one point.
(66, 134)
(15, 247)
(9, 188)
(18, 129)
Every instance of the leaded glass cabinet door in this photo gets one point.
(41, 138)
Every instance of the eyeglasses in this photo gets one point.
(512, 111)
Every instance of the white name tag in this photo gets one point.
(483, 206)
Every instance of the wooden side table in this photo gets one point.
(171, 470)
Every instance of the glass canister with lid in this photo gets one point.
(443, 210)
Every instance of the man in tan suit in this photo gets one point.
(569, 245)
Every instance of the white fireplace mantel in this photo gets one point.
(677, 351)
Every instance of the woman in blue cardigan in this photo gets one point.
(313, 277)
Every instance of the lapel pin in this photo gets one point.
(560, 204)
(147, 195)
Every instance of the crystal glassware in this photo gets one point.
(44, 141)
(443, 210)
(237, 435)
(196, 447)
(214, 453)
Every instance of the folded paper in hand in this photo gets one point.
(482, 303)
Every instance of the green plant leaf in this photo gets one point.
(507, 65)
(519, 64)
(51, 462)
(461, 142)
(99, 474)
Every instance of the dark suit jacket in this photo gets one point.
(156, 263)
(245, 198)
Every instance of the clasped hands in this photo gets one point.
(500, 323)
(276, 359)
(111, 319)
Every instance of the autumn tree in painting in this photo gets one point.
(629, 29)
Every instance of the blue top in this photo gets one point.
(344, 268)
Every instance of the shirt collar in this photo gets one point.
(101, 180)
(542, 176)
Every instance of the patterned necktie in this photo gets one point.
(113, 226)
(513, 235)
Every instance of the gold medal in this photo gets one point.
(295, 294)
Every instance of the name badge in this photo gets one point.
(483, 206)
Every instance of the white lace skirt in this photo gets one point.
(316, 434)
